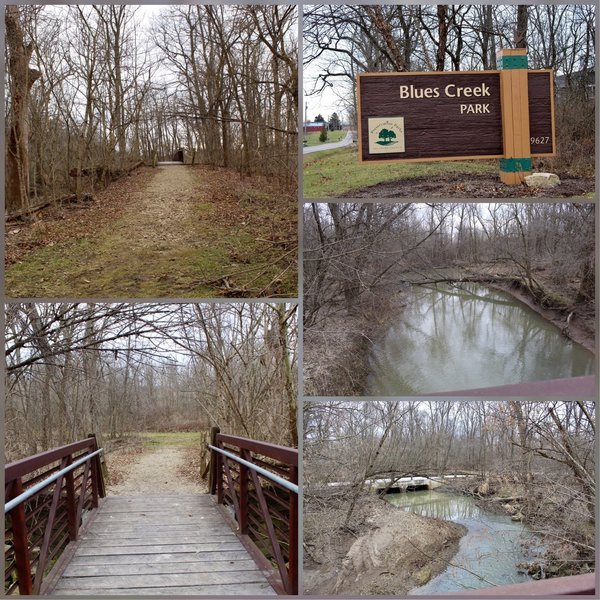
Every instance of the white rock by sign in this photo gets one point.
(542, 180)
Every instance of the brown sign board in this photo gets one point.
(541, 112)
(445, 115)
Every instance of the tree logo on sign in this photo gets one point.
(387, 137)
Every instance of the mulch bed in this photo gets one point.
(471, 186)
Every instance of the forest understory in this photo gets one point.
(385, 551)
(344, 346)
(171, 231)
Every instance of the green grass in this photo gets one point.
(312, 138)
(108, 267)
(217, 240)
(334, 172)
(187, 439)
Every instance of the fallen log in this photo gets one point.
(507, 499)
(24, 213)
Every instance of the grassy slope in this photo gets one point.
(332, 136)
(333, 172)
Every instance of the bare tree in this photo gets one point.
(22, 78)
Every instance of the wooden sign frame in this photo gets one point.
(361, 134)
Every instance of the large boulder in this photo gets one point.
(542, 180)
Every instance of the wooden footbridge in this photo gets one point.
(63, 535)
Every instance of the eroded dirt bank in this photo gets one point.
(580, 328)
(387, 551)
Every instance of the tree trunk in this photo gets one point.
(22, 78)
(521, 29)
(442, 14)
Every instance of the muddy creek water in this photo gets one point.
(488, 553)
(452, 338)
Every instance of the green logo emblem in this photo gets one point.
(387, 137)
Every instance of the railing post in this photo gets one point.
(293, 536)
(18, 526)
(212, 477)
(219, 475)
(43, 555)
(71, 508)
(245, 454)
(98, 489)
(95, 476)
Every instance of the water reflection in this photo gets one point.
(459, 338)
(436, 504)
(488, 553)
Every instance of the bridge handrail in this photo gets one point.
(40, 524)
(38, 487)
(570, 585)
(25, 466)
(275, 478)
(266, 511)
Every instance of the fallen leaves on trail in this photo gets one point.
(56, 223)
(164, 232)
(193, 467)
(119, 459)
(266, 211)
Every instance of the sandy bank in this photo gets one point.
(391, 552)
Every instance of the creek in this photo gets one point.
(488, 553)
(469, 336)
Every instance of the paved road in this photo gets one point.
(331, 146)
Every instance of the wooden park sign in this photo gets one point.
(506, 114)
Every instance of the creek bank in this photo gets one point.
(580, 328)
(555, 310)
(561, 556)
(387, 552)
(554, 307)
(336, 362)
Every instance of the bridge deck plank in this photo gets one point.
(160, 545)
(247, 589)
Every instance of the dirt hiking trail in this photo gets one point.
(155, 472)
(171, 231)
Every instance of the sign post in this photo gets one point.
(507, 114)
(514, 98)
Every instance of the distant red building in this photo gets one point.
(314, 126)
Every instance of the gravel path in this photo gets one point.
(160, 216)
(156, 473)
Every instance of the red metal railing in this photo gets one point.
(262, 491)
(584, 385)
(572, 585)
(39, 527)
